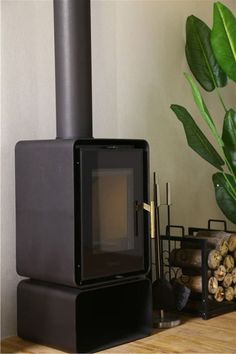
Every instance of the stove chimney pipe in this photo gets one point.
(73, 68)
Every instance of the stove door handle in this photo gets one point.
(136, 210)
(150, 208)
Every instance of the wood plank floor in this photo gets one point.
(194, 335)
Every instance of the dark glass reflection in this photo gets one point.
(112, 208)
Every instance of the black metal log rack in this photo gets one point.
(198, 303)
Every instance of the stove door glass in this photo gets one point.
(112, 225)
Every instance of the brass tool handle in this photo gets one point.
(151, 209)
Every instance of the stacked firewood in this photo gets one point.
(221, 262)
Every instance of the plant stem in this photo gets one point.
(232, 191)
(221, 99)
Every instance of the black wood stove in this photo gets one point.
(81, 232)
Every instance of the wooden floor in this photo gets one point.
(194, 335)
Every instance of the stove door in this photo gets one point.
(113, 230)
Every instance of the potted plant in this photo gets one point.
(211, 55)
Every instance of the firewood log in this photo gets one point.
(229, 293)
(212, 285)
(220, 272)
(234, 276)
(223, 248)
(213, 234)
(235, 291)
(216, 239)
(232, 243)
(235, 256)
(214, 259)
(227, 280)
(220, 294)
(194, 283)
(195, 271)
(228, 262)
(186, 258)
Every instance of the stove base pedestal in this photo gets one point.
(87, 320)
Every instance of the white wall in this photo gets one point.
(28, 112)
(138, 61)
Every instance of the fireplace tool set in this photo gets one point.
(164, 315)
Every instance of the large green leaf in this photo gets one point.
(229, 138)
(225, 191)
(223, 39)
(196, 139)
(200, 56)
(203, 109)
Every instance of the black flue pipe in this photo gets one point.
(72, 32)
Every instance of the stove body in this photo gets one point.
(82, 236)
(77, 215)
